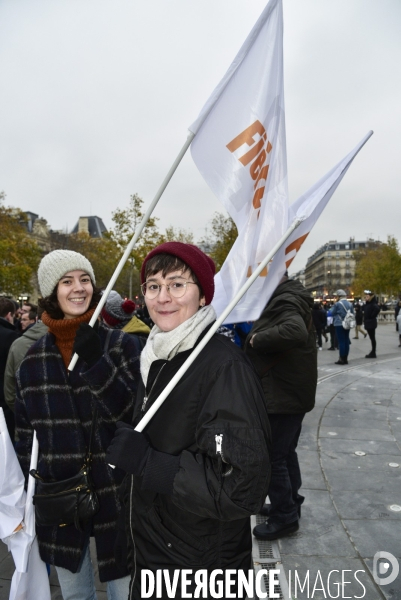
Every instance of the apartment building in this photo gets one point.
(332, 267)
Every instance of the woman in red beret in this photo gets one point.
(201, 466)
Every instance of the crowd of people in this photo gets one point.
(328, 319)
(179, 494)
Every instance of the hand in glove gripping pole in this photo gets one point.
(131, 451)
(87, 344)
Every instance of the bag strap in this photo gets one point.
(89, 453)
(346, 309)
(107, 341)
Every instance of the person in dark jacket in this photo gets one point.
(332, 330)
(8, 334)
(59, 405)
(319, 319)
(201, 467)
(370, 311)
(359, 322)
(16, 355)
(282, 347)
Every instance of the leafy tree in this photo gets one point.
(221, 238)
(126, 222)
(177, 235)
(379, 269)
(19, 253)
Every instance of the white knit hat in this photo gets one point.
(56, 264)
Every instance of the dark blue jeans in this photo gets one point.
(343, 340)
(286, 475)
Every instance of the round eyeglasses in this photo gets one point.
(176, 289)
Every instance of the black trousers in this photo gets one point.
(333, 336)
(372, 335)
(286, 474)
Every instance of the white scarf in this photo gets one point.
(166, 344)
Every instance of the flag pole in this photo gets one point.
(159, 401)
(135, 237)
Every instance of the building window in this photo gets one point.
(337, 246)
(337, 255)
(347, 254)
(347, 246)
(356, 246)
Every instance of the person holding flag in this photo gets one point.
(60, 408)
(201, 466)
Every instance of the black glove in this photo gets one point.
(129, 449)
(87, 344)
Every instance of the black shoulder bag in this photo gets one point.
(69, 501)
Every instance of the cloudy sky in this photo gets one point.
(97, 96)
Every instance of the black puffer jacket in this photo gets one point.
(370, 311)
(284, 350)
(205, 523)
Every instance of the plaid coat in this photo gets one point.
(59, 407)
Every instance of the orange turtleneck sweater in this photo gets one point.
(64, 331)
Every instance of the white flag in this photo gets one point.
(308, 209)
(12, 481)
(240, 149)
(30, 580)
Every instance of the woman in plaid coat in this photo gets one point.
(59, 406)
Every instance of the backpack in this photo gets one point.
(349, 319)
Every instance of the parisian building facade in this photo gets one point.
(332, 267)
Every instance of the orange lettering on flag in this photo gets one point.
(258, 197)
(263, 272)
(262, 175)
(250, 155)
(258, 170)
(295, 245)
(256, 166)
(246, 137)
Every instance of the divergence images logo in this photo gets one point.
(381, 566)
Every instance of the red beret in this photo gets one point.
(201, 264)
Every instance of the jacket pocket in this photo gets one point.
(178, 543)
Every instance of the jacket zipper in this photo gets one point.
(146, 397)
(219, 444)
(219, 451)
